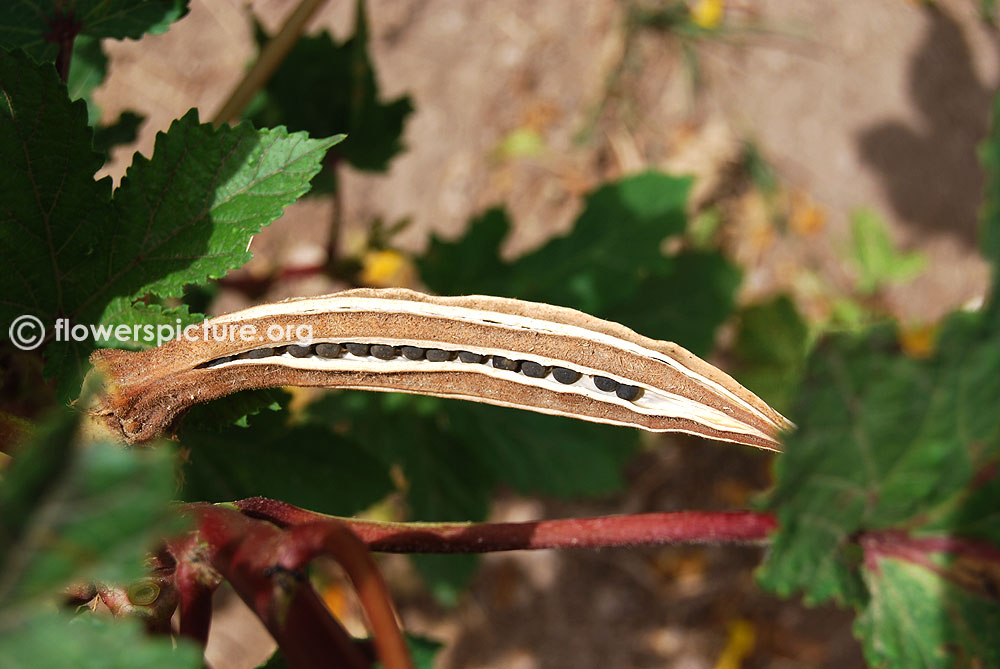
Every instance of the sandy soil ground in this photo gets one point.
(879, 103)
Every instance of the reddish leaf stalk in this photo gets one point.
(263, 564)
(63, 31)
(647, 529)
(312, 540)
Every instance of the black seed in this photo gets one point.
(413, 352)
(567, 376)
(533, 369)
(360, 350)
(383, 352)
(438, 355)
(605, 384)
(329, 350)
(507, 364)
(629, 393)
(217, 362)
(258, 353)
(297, 351)
(469, 356)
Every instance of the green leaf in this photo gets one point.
(87, 69)
(122, 131)
(877, 260)
(609, 265)
(453, 455)
(70, 512)
(989, 154)
(888, 442)
(187, 214)
(446, 576)
(917, 618)
(25, 25)
(324, 87)
(772, 342)
(51, 639)
(184, 216)
(306, 465)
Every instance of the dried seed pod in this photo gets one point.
(657, 386)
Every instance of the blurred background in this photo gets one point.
(833, 147)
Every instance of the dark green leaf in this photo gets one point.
(306, 465)
(51, 639)
(454, 454)
(182, 217)
(123, 131)
(446, 576)
(610, 264)
(324, 87)
(772, 342)
(26, 25)
(70, 512)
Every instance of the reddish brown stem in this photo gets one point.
(263, 564)
(681, 527)
(63, 31)
(333, 538)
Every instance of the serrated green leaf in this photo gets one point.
(187, 214)
(324, 87)
(306, 465)
(888, 442)
(181, 217)
(51, 639)
(876, 257)
(73, 512)
(917, 618)
(25, 25)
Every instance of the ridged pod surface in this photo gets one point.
(485, 349)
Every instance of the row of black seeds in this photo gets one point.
(530, 368)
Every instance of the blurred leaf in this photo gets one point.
(609, 265)
(453, 454)
(446, 576)
(70, 512)
(304, 464)
(123, 131)
(989, 154)
(87, 69)
(877, 260)
(25, 25)
(423, 651)
(772, 342)
(886, 441)
(51, 639)
(234, 410)
(916, 618)
(324, 88)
